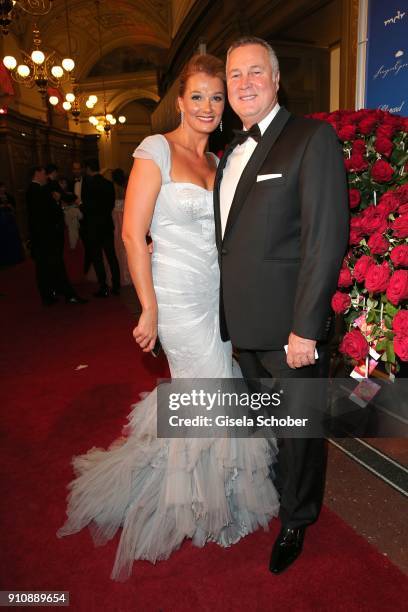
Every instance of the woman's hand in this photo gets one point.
(145, 333)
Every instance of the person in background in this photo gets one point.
(98, 202)
(77, 186)
(46, 227)
(72, 214)
(11, 250)
(119, 183)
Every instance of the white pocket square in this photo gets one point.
(265, 177)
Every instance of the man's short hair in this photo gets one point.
(36, 169)
(49, 168)
(92, 164)
(254, 40)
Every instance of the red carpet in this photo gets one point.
(51, 411)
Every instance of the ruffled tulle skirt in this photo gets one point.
(161, 491)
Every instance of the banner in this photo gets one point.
(387, 56)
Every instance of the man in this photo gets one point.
(46, 227)
(77, 186)
(98, 202)
(281, 218)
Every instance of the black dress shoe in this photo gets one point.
(286, 549)
(102, 293)
(75, 299)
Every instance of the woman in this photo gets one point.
(72, 213)
(162, 491)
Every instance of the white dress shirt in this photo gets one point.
(235, 165)
(78, 188)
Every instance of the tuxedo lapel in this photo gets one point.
(249, 174)
(216, 195)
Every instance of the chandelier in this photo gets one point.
(34, 7)
(73, 98)
(106, 121)
(39, 69)
(73, 101)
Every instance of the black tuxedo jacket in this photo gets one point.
(45, 217)
(98, 202)
(285, 237)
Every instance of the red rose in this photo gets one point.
(385, 131)
(377, 278)
(393, 120)
(400, 226)
(403, 193)
(401, 347)
(373, 220)
(320, 116)
(399, 256)
(345, 279)
(389, 202)
(383, 146)
(355, 237)
(359, 146)
(362, 266)
(354, 345)
(378, 244)
(397, 290)
(404, 124)
(356, 231)
(347, 132)
(354, 198)
(403, 209)
(367, 125)
(381, 171)
(400, 323)
(356, 163)
(340, 302)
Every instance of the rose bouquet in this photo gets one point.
(372, 289)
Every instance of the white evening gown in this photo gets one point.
(161, 491)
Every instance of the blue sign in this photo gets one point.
(387, 56)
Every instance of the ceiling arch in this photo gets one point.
(120, 100)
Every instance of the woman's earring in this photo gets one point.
(221, 125)
(182, 118)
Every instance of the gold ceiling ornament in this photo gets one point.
(104, 123)
(33, 7)
(38, 68)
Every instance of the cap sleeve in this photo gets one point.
(157, 149)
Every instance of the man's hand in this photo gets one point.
(301, 351)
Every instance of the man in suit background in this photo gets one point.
(46, 227)
(98, 202)
(281, 214)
